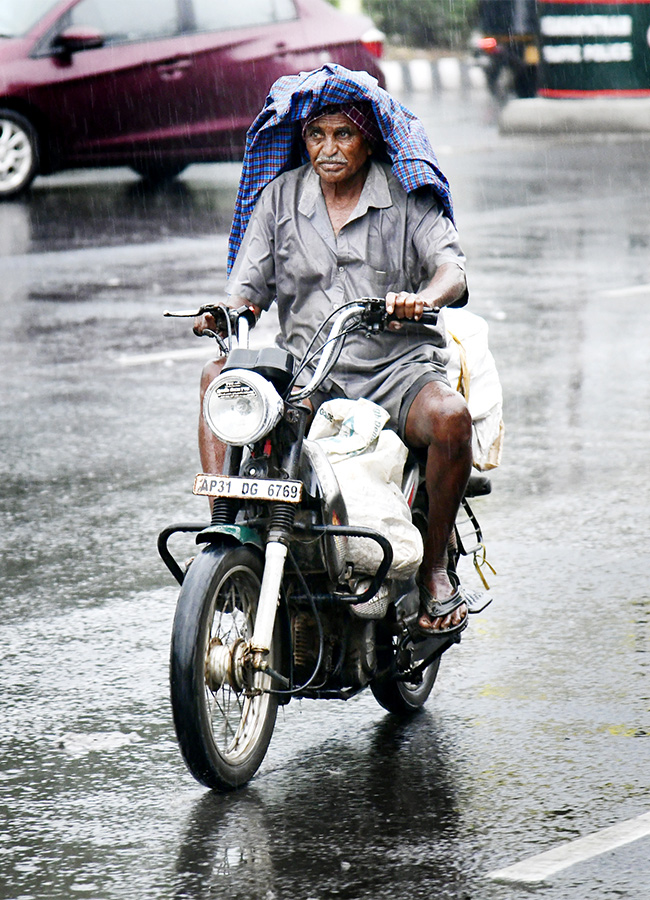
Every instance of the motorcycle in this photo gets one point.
(271, 608)
(507, 46)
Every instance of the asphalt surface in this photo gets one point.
(538, 731)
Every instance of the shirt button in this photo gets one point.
(341, 268)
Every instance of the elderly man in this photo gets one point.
(341, 227)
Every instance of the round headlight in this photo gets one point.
(241, 407)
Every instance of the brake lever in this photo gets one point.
(182, 313)
(193, 314)
(374, 315)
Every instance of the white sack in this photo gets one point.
(472, 370)
(368, 462)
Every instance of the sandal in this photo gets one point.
(438, 609)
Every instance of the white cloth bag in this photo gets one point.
(472, 371)
(368, 461)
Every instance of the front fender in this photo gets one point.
(230, 534)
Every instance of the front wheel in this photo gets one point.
(224, 732)
(18, 153)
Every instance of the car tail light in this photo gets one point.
(487, 44)
(373, 41)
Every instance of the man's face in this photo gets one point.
(336, 148)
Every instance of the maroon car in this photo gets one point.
(153, 84)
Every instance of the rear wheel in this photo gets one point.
(157, 173)
(223, 732)
(402, 697)
(18, 153)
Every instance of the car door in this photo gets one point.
(110, 102)
(238, 48)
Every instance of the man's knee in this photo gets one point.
(453, 422)
(439, 415)
(210, 371)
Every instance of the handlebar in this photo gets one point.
(375, 316)
(365, 314)
(371, 315)
(229, 321)
(221, 313)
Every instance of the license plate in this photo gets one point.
(247, 488)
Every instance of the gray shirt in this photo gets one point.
(393, 241)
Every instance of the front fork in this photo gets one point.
(252, 655)
(267, 606)
(242, 663)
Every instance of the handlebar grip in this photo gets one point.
(428, 317)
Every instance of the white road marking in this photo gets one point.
(144, 359)
(538, 868)
(628, 291)
(206, 352)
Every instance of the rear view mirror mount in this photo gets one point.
(76, 38)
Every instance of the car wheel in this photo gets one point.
(18, 153)
(156, 173)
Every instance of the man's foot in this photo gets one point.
(443, 605)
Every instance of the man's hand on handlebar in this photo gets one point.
(405, 305)
(206, 323)
(447, 285)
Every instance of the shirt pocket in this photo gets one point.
(379, 281)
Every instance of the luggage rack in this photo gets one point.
(469, 538)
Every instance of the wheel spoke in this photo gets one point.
(16, 156)
(225, 742)
(233, 715)
(16, 140)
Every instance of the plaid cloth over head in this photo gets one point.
(359, 113)
(274, 142)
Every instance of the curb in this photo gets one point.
(590, 116)
(445, 74)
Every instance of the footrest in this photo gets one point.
(476, 601)
(478, 486)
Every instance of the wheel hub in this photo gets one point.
(15, 156)
(225, 664)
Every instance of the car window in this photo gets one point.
(122, 21)
(215, 15)
(18, 16)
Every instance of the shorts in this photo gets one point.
(395, 394)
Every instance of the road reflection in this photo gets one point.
(88, 213)
(351, 821)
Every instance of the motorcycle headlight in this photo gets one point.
(241, 407)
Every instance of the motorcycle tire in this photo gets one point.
(223, 734)
(402, 698)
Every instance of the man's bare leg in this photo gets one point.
(439, 421)
(211, 450)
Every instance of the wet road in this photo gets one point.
(538, 731)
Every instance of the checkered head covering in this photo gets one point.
(274, 145)
(359, 113)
